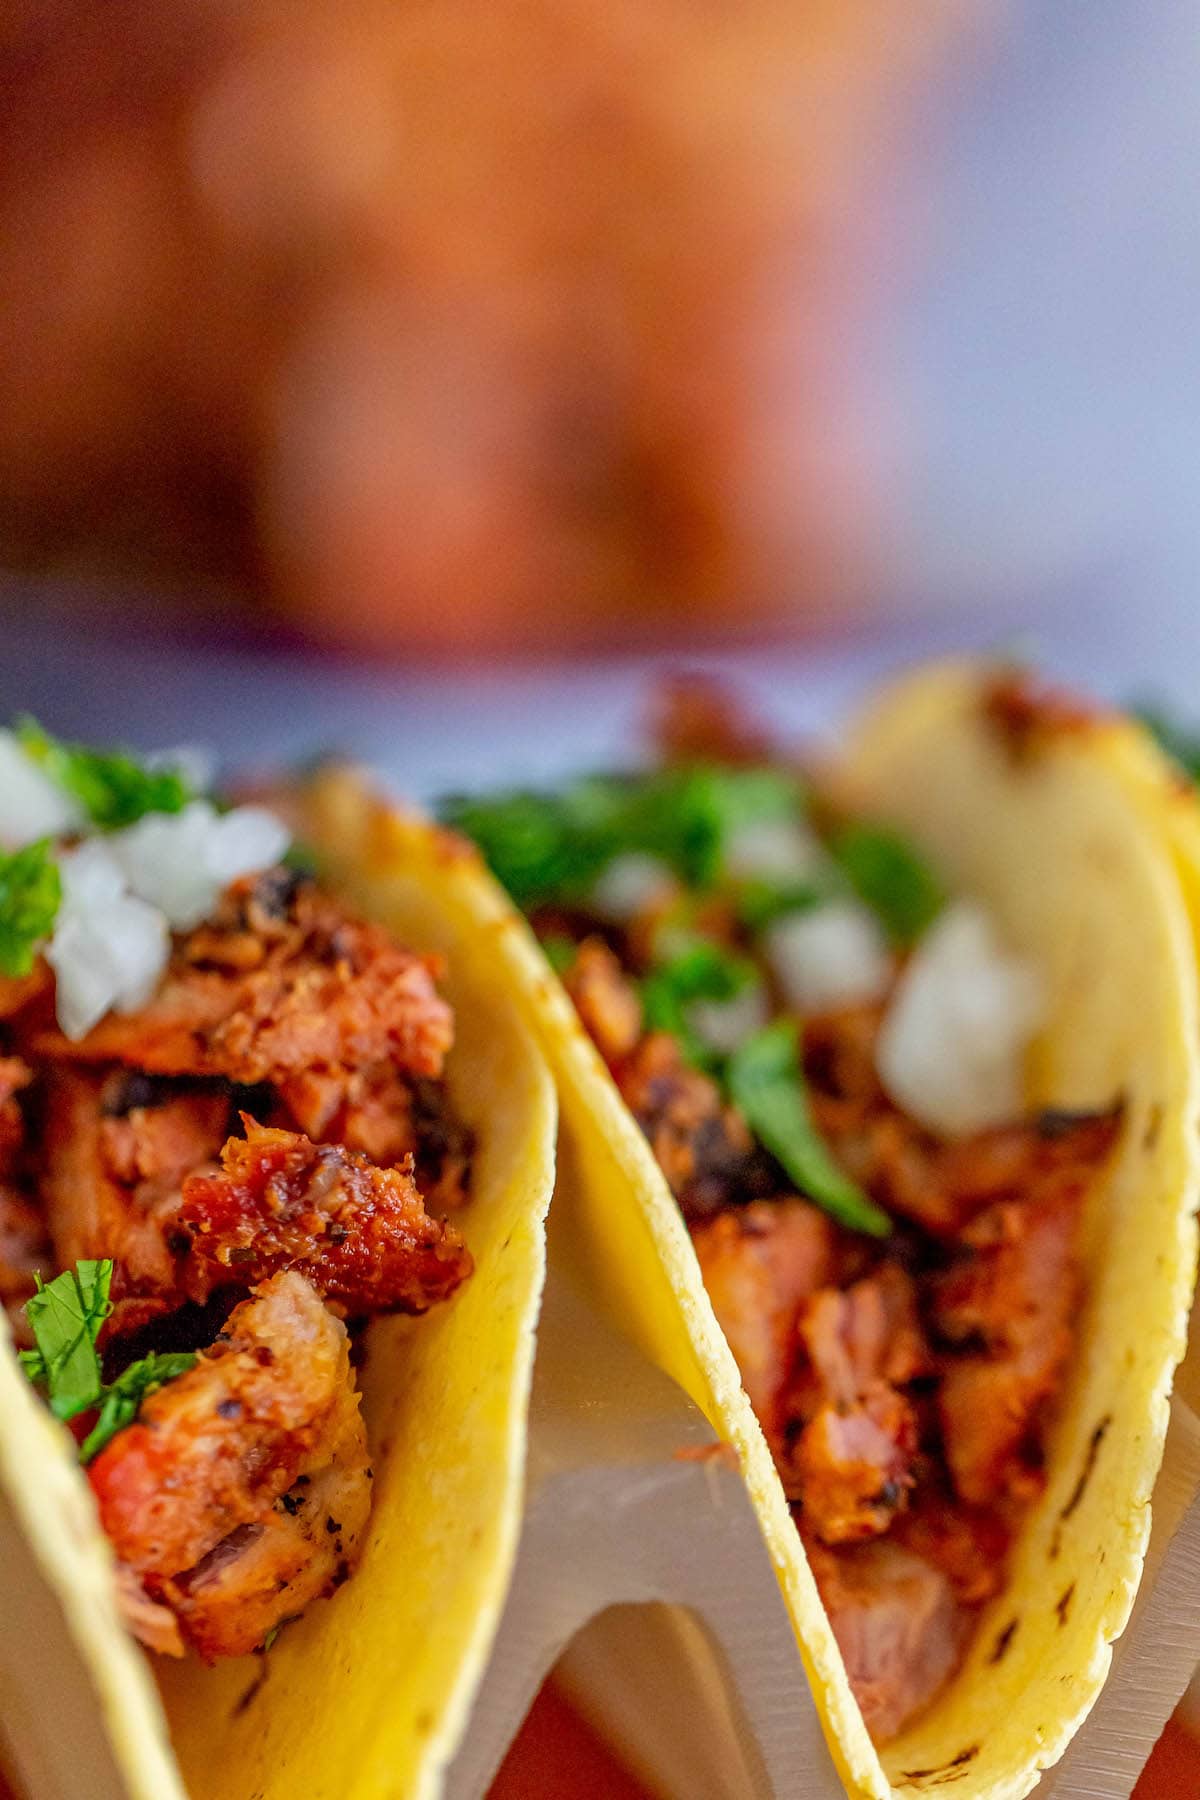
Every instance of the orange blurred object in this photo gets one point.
(468, 324)
(556, 1753)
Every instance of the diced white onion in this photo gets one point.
(123, 894)
(31, 805)
(776, 850)
(181, 862)
(952, 1046)
(91, 876)
(723, 1025)
(108, 953)
(243, 841)
(829, 956)
(629, 884)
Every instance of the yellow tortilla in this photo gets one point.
(366, 1695)
(1069, 853)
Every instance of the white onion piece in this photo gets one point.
(109, 953)
(724, 1025)
(31, 805)
(829, 956)
(629, 884)
(776, 850)
(952, 1046)
(182, 862)
(91, 876)
(243, 841)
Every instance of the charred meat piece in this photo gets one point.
(359, 1233)
(897, 1624)
(853, 1463)
(606, 1000)
(112, 1175)
(20, 991)
(305, 1546)
(703, 1147)
(760, 1265)
(445, 1148)
(14, 1076)
(969, 1544)
(272, 989)
(1009, 1300)
(24, 1253)
(189, 1494)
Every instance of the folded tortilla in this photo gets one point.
(368, 1693)
(1060, 831)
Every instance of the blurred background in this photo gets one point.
(409, 376)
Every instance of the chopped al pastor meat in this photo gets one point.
(189, 1494)
(606, 1000)
(968, 1544)
(1008, 1300)
(761, 1264)
(111, 1183)
(703, 1146)
(897, 1624)
(20, 991)
(853, 1463)
(267, 993)
(24, 1250)
(358, 1232)
(14, 1076)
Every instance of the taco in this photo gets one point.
(894, 1055)
(276, 1154)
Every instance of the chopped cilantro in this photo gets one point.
(760, 901)
(1178, 740)
(701, 971)
(553, 846)
(30, 892)
(113, 788)
(766, 1084)
(891, 877)
(122, 1398)
(65, 1317)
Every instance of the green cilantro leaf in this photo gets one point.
(760, 901)
(546, 847)
(701, 971)
(767, 1086)
(65, 1317)
(113, 788)
(30, 893)
(891, 877)
(122, 1398)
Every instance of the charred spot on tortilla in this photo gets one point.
(1054, 1122)
(951, 1770)
(1089, 1464)
(1003, 1640)
(1153, 1128)
(1062, 1605)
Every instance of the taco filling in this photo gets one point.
(225, 1145)
(825, 1051)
